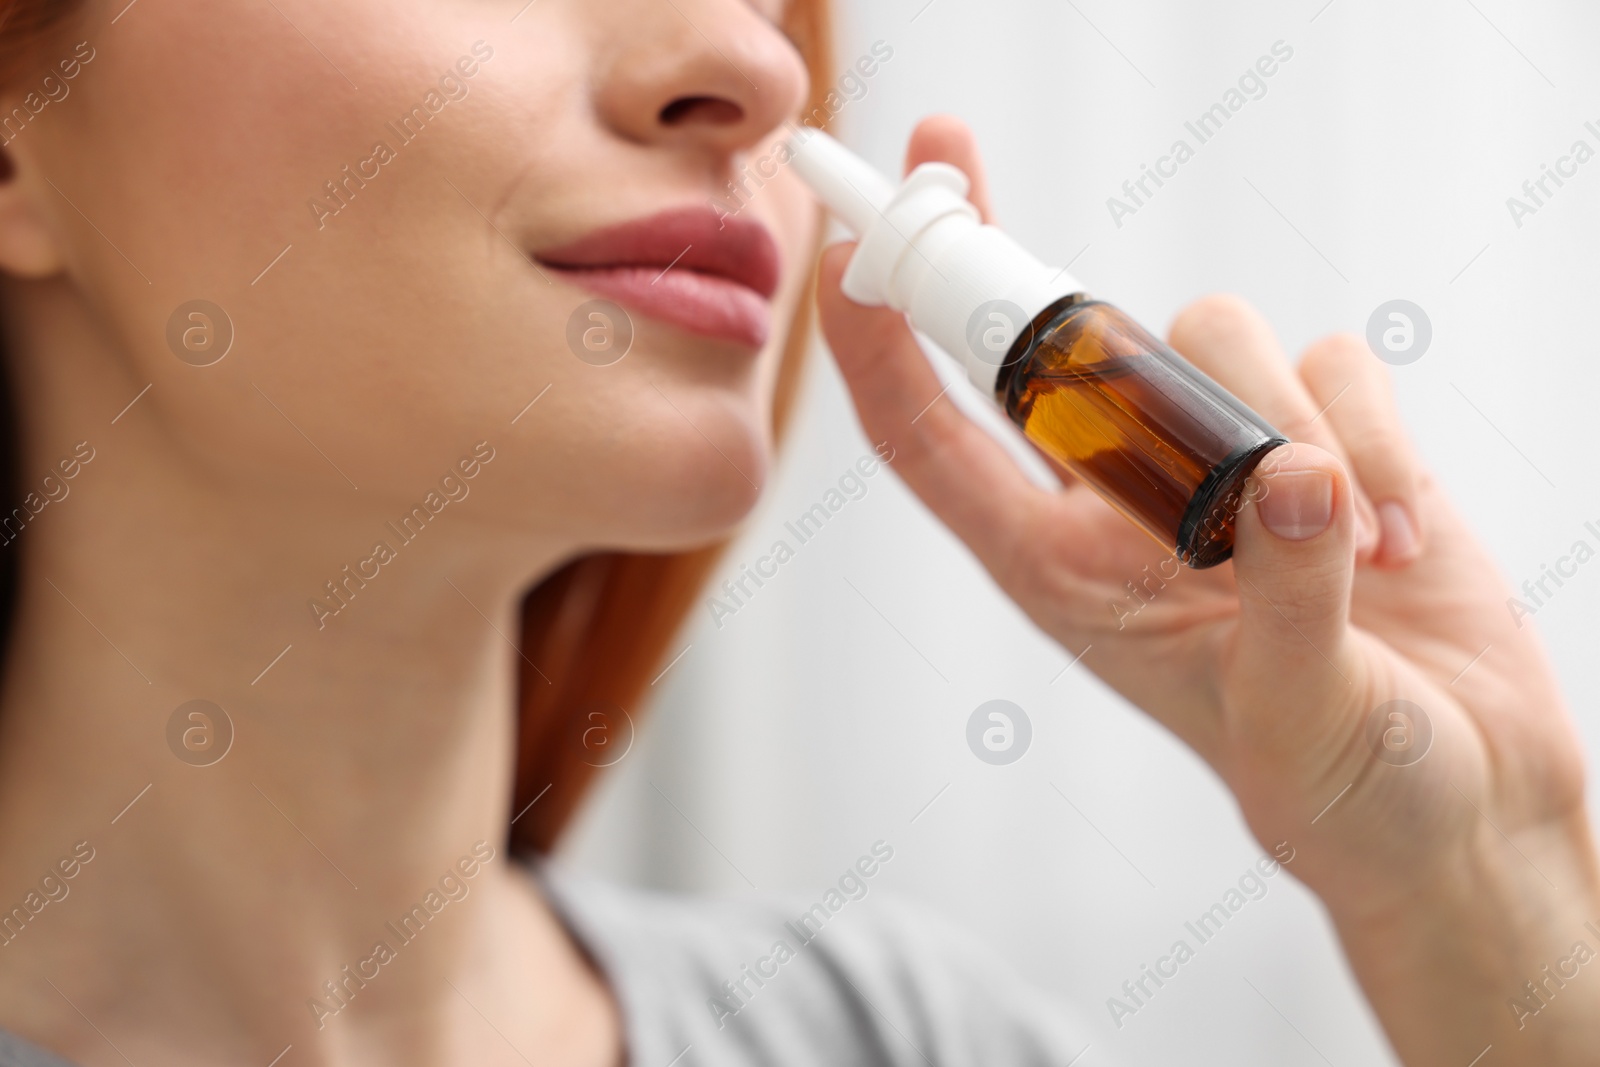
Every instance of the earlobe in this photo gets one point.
(29, 248)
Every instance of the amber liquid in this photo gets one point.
(1169, 447)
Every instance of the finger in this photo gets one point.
(1355, 395)
(946, 139)
(958, 470)
(1230, 341)
(1294, 561)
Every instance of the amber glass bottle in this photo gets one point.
(1134, 420)
(1167, 446)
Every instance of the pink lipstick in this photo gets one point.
(711, 275)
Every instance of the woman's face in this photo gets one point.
(405, 210)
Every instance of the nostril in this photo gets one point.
(711, 110)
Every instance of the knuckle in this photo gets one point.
(916, 448)
(1336, 351)
(1022, 567)
(1299, 427)
(927, 443)
(1303, 427)
(1212, 320)
(1330, 363)
(1380, 440)
(1383, 462)
(1037, 566)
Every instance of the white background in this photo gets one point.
(822, 717)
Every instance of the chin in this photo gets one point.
(693, 493)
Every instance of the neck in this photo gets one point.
(369, 769)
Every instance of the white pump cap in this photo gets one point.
(923, 251)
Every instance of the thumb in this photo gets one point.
(1294, 560)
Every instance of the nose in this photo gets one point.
(712, 74)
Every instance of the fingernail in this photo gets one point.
(1298, 505)
(1400, 540)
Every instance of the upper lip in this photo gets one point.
(684, 238)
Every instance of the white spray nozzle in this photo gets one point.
(852, 188)
(923, 250)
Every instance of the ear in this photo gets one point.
(29, 247)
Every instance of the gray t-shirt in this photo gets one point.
(712, 982)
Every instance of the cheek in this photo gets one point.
(226, 127)
(404, 328)
(220, 124)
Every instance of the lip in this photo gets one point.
(707, 273)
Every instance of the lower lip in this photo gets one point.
(705, 304)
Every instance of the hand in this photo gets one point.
(1354, 583)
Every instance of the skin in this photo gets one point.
(1451, 881)
(378, 750)
(396, 338)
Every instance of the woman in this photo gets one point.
(307, 393)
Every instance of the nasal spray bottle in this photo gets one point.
(1166, 445)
